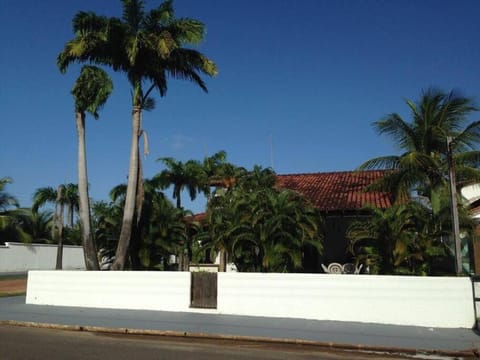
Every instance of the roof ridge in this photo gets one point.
(335, 172)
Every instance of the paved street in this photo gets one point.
(59, 345)
(190, 324)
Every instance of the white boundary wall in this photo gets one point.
(19, 257)
(400, 300)
(141, 290)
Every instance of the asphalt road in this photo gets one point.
(190, 327)
(25, 343)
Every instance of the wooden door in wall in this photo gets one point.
(203, 290)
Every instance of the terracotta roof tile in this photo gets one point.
(336, 191)
(196, 217)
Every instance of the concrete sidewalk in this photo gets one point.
(325, 333)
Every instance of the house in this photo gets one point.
(471, 195)
(341, 198)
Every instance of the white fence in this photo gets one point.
(18, 257)
(419, 301)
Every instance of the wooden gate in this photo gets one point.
(203, 291)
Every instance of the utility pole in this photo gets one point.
(453, 198)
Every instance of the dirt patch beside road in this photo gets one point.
(12, 286)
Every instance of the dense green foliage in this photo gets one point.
(261, 228)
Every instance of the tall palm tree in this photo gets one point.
(182, 176)
(148, 47)
(91, 91)
(422, 165)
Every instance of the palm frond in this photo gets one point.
(382, 162)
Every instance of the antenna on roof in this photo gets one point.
(205, 148)
(271, 152)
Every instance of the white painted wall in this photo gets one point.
(143, 290)
(400, 300)
(471, 193)
(18, 257)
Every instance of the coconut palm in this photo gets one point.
(91, 91)
(422, 167)
(148, 47)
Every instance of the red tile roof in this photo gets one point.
(196, 217)
(337, 191)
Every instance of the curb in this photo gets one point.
(464, 354)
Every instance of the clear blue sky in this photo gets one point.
(306, 76)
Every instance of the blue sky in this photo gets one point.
(299, 84)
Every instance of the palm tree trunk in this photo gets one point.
(179, 200)
(136, 239)
(69, 216)
(59, 226)
(89, 249)
(223, 260)
(130, 199)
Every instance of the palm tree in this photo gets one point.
(71, 199)
(182, 176)
(30, 226)
(381, 242)
(422, 166)
(106, 226)
(211, 171)
(63, 196)
(147, 47)
(6, 200)
(91, 91)
(165, 234)
(49, 195)
(9, 227)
